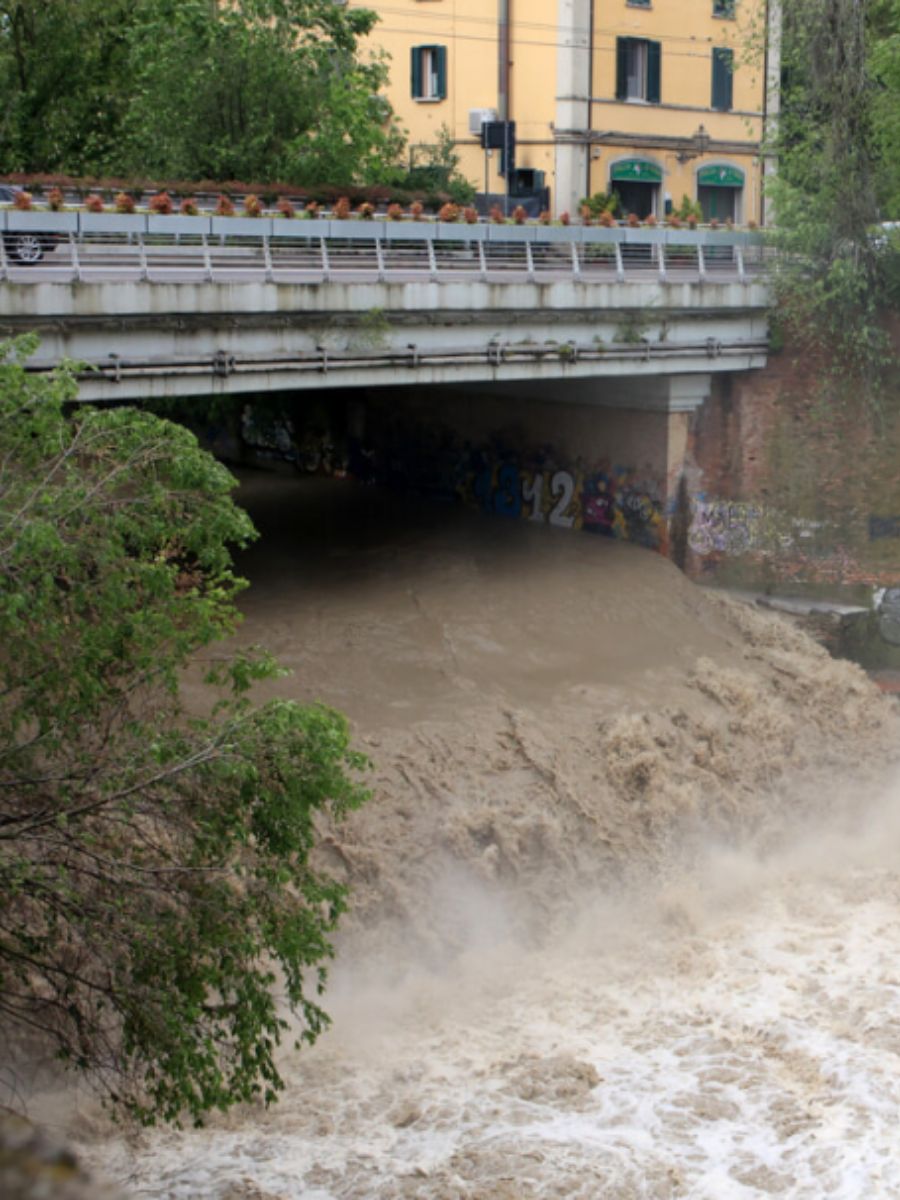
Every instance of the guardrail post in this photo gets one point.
(76, 264)
(432, 260)
(379, 256)
(482, 261)
(739, 256)
(576, 261)
(661, 250)
(620, 263)
(529, 260)
(142, 251)
(701, 262)
(207, 259)
(326, 265)
(267, 256)
(4, 266)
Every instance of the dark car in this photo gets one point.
(25, 248)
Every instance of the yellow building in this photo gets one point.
(655, 99)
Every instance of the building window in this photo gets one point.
(722, 78)
(429, 72)
(723, 8)
(638, 70)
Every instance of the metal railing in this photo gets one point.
(79, 246)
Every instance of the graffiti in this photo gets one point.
(606, 500)
(723, 526)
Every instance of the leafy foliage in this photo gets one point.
(248, 89)
(160, 916)
(833, 276)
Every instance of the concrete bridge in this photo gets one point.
(178, 306)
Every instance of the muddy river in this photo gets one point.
(626, 916)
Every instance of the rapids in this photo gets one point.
(625, 903)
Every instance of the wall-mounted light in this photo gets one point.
(700, 142)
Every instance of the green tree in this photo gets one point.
(833, 276)
(158, 904)
(249, 89)
(63, 73)
(257, 89)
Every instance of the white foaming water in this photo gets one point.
(545, 989)
(734, 1034)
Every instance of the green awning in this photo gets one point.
(636, 170)
(720, 177)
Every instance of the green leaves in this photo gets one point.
(254, 90)
(154, 864)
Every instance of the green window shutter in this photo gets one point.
(441, 61)
(622, 45)
(654, 72)
(722, 78)
(416, 67)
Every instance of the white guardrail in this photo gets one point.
(82, 246)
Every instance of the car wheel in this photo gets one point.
(26, 248)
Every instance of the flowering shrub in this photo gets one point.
(188, 207)
(124, 202)
(565, 219)
(252, 206)
(22, 201)
(366, 211)
(470, 215)
(161, 204)
(519, 216)
(55, 199)
(286, 209)
(606, 219)
(94, 203)
(651, 221)
(312, 210)
(224, 206)
(342, 209)
(497, 215)
(448, 212)
(545, 217)
(395, 212)
(674, 221)
(416, 210)
(751, 224)
(587, 217)
(633, 220)
(714, 223)
(692, 221)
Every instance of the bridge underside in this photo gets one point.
(184, 339)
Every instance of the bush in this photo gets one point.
(161, 919)
(161, 204)
(252, 206)
(124, 202)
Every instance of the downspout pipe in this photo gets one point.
(503, 56)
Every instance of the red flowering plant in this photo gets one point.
(188, 207)
(224, 206)
(124, 202)
(161, 204)
(252, 206)
(286, 209)
(55, 199)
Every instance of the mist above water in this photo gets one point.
(625, 913)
